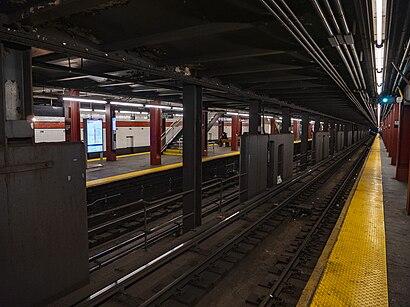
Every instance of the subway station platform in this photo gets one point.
(133, 165)
(365, 261)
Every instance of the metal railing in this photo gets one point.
(170, 133)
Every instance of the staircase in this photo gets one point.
(174, 146)
(171, 134)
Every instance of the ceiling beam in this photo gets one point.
(237, 70)
(218, 57)
(176, 35)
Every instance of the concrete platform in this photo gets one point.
(366, 259)
(133, 165)
(397, 224)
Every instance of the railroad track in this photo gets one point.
(217, 249)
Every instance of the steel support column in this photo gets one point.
(403, 149)
(395, 129)
(285, 121)
(204, 133)
(325, 125)
(235, 132)
(295, 130)
(72, 118)
(346, 135)
(273, 129)
(304, 141)
(192, 160)
(255, 117)
(220, 128)
(110, 134)
(155, 123)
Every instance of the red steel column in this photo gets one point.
(72, 118)
(235, 132)
(309, 131)
(395, 129)
(109, 115)
(295, 130)
(403, 147)
(204, 133)
(389, 134)
(273, 129)
(155, 135)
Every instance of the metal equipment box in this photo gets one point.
(321, 145)
(43, 222)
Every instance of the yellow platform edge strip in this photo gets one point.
(352, 269)
(97, 182)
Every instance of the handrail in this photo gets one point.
(175, 128)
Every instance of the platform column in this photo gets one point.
(403, 148)
(255, 117)
(304, 141)
(204, 133)
(110, 133)
(234, 132)
(273, 129)
(295, 130)
(221, 127)
(325, 125)
(316, 128)
(346, 135)
(72, 118)
(155, 123)
(192, 158)
(395, 129)
(285, 120)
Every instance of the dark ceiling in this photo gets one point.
(235, 43)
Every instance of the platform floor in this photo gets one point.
(128, 166)
(397, 234)
(358, 267)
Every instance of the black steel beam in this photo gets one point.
(192, 157)
(219, 57)
(237, 70)
(255, 117)
(177, 35)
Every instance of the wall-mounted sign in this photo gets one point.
(93, 135)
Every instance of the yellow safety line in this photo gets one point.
(356, 271)
(121, 156)
(110, 179)
(299, 141)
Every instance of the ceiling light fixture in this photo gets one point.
(78, 99)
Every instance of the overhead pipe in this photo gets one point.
(399, 78)
(351, 96)
(317, 53)
(358, 81)
(344, 86)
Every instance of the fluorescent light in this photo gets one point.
(178, 115)
(379, 22)
(158, 106)
(177, 108)
(268, 117)
(128, 104)
(146, 113)
(91, 110)
(128, 112)
(379, 53)
(244, 114)
(231, 113)
(84, 100)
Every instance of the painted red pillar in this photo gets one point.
(309, 131)
(273, 129)
(403, 147)
(389, 134)
(155, 124)
(235, 132)
(295, 130)
(204, 133)
(72, 118)
(395, 129)
(110, 133)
